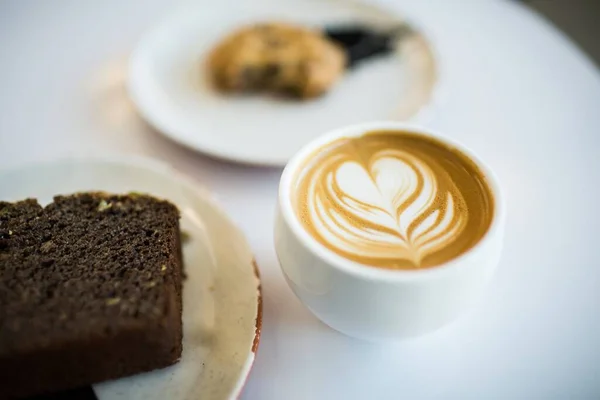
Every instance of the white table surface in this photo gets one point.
(519, 92)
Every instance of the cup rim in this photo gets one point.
(374, 273)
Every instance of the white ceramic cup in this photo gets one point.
(374, 303)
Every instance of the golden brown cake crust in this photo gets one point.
(278, 58)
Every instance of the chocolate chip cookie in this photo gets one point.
(279, 58)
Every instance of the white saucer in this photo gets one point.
(221, 295)
(167, 82)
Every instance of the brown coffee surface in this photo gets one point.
(393, 199)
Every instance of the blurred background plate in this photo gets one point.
(167, 82)
(221, 296)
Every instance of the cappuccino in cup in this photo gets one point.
(392, 199)
(386, 230)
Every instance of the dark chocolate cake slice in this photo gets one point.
(90, 290)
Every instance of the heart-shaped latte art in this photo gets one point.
(392, 208)
(393, 199)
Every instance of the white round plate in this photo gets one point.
(167, 82)
(221, 295)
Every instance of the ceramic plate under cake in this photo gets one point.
(167, 81)
(221, 295)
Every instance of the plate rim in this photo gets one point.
(161, 167)
(164, 128)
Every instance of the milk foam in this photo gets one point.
(398, 198)
(393, 199)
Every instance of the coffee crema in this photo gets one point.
(393, 199)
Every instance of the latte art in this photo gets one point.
(395, 209)
(393, 200)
